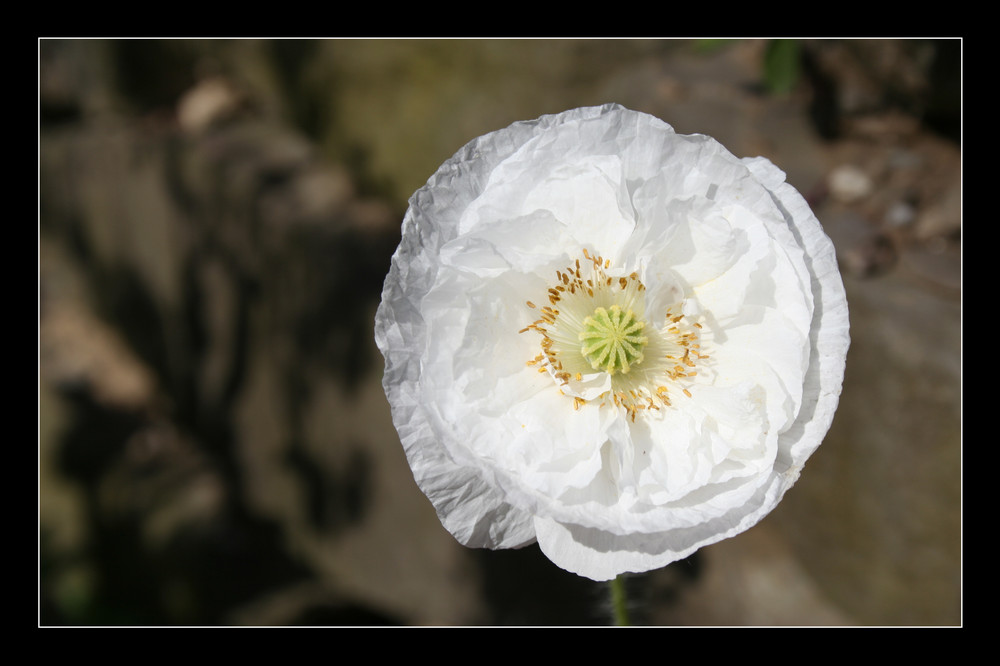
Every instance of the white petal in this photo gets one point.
(600, 555)
(505, 452)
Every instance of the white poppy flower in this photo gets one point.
(620, 341)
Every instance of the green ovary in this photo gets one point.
(612, 340)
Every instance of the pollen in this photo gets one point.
(597, 325)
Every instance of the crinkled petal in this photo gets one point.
(506, 447)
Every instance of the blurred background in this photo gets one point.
(216, 218)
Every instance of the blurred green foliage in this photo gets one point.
(781, 68)
(711, 45)
(781, 65)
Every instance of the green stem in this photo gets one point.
(619, 602)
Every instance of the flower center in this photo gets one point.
(612, 339)
(599, 346)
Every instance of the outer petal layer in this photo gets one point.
(504, 452)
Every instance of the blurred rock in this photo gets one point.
(879, 86)
(849, 184)
(205, 247)
(873, 256)
(213, 100)
(900, 214)
(753, 580)
(887, 479)
(309, 604)
(937, 264)
(78, 350)
(942, 216)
